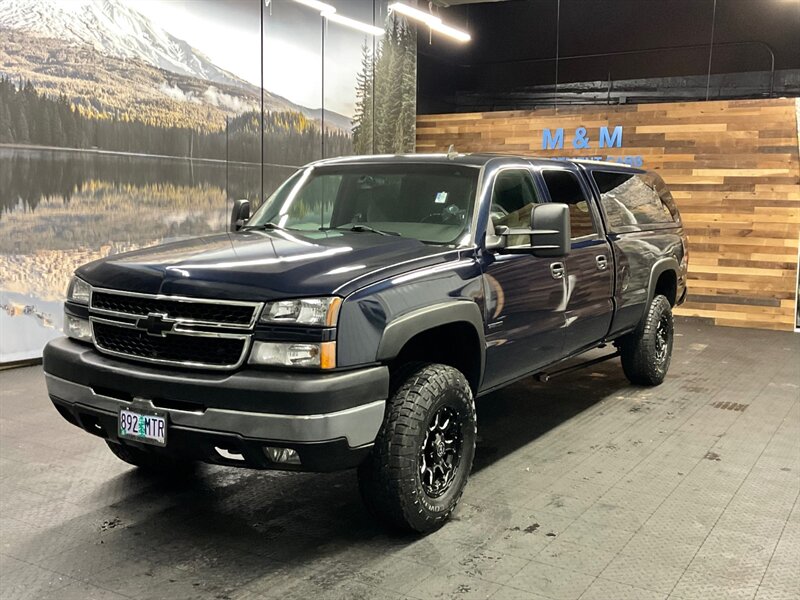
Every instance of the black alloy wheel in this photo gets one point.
(663, 338)
(441, 452)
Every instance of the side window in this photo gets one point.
(632, 199)
(564, 187)
(513, 197)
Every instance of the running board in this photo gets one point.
(545, 377)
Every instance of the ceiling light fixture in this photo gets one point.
(328, 12)
(432, 21)
(316, 5)
(348, 22)
(415, 13)
(456, 34)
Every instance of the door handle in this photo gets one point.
(602, 262)
(557, 270)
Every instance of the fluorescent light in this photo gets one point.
(432, 21)
(456, 34)
(348, 22)
(327, 11)
(316, 5)
(415, 13)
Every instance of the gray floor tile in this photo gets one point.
(449, 585)
(603, 589)
(779, 593)
(643, 571)
(589, 560)
(491, 566)
(551, 581)
(81, 591)
(583, 487)
(696, 583)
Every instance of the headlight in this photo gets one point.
(318, 312)
(78, 291)
(294, 354)
(77, 328)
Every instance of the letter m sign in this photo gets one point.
(611, 141)
(551, 142)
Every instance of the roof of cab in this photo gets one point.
(474, 160)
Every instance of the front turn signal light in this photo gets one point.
(294, 354)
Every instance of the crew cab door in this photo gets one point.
(589, 274)
(524, 293)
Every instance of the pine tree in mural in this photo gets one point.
(405, 129)
(386, 92)
(363, 131)
(28, 116)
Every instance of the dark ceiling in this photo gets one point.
(515, 42)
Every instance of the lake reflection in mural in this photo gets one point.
(111, 140)
(61, 209)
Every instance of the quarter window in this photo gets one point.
(564, 187)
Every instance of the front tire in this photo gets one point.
(647, 352)
(422, 457)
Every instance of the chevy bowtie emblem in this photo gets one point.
(155, 324)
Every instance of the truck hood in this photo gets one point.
(263, 265)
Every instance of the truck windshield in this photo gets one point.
(432, 203)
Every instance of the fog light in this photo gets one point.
(77, 328)
(285, 456)
(224, 453)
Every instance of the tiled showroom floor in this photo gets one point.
(585, 487)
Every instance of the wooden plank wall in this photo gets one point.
(732, 167)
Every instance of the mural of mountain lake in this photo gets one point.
(61, 209)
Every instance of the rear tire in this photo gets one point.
(419, 466)
(151, 462)
(647, 352)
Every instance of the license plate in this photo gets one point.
(148, 428)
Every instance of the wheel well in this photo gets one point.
(667, 285)
(455, 344)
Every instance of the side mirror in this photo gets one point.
(240, 214)
(550, 230)
(549, 233)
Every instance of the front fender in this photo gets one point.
(377, 321)
(401, 330)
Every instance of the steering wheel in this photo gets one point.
(434, 218)
(449, 214)
(497, 212)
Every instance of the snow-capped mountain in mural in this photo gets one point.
(114, 29)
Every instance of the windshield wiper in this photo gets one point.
(267, 225)
(361, 228)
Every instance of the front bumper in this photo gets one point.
(330, 419)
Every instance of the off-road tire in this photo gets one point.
(390, 479)
(151, 462)
(646, 353)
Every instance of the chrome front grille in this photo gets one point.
(186, 332)
(195, 311)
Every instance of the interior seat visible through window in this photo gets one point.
(565, 188)
(513, 197)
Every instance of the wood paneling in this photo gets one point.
(732, 168)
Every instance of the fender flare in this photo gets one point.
(399, 331)
(665, 264)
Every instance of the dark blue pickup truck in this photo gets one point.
(352, 320)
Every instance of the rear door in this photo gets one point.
(589, 266)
